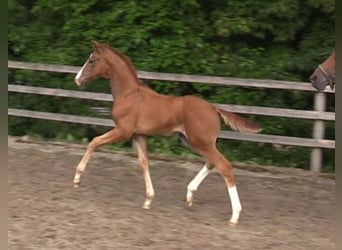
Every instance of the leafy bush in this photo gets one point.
(282, 40)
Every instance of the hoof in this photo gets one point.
(189, 198)
(232, 223)
(77, 184)
(147, 204)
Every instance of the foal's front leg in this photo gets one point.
(113, 135)
(139, 143)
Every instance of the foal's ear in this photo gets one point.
(96, 45)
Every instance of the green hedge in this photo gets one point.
(282, 40)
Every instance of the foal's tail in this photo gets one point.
(238, 123)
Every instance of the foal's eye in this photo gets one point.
(91, 61)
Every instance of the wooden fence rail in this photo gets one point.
(281, 112)
(212, 80)
(319, 115)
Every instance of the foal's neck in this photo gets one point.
(123, 78)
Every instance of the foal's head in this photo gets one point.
(324, 74)
(95, 67)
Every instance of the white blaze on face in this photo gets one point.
(79, 74)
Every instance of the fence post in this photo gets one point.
(318, 133)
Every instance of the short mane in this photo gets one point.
(128, 62)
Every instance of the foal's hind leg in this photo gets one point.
(215, 158)
(140, 145)
(113, 135)
(226, 169)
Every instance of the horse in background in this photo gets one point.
(324, 74)
(138, 112)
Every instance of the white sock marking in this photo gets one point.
(236, 205)
(147, 177)
(149, 190)
(149, 186)
(193, 185)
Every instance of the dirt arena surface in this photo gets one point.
(283, 211)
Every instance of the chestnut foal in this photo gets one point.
(324, 74)
(138, 112)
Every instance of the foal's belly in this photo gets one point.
(163, 128)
